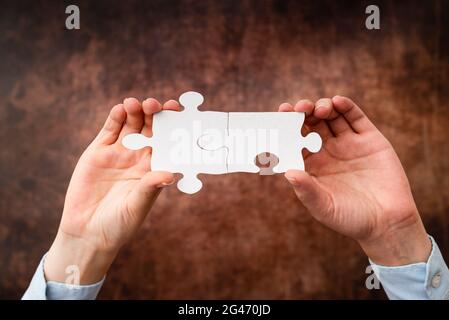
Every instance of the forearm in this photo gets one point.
(71, 254)
(399, 246)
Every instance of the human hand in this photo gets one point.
(110, 193)
(356, 184)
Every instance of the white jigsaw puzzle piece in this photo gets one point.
(175, 142)
(278, 133)
(254, 133)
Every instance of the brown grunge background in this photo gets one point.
(244, 235)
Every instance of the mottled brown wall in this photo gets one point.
(243, 235)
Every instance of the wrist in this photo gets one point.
(399, 246)
(70, 257)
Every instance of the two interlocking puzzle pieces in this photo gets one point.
(193, 142)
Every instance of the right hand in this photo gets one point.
(356, 184)
(111, 192)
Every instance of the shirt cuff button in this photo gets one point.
(436, 281)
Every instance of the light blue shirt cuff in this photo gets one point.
(417, 281)
(40, 289)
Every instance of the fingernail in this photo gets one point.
(168, 183)
(291, 180)
(165, 184)
(320, 105)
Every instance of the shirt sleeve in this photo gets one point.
(40, 289)
(418, 281)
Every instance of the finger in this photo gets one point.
(172, 105)
(285, 107)
(353, 114)
(312, 195)
(340, 126)
(324, 109)
(145, 192)
(150, 106)
(113, 125)
(134, 116)
(305, 106)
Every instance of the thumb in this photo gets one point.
(144, 194)
(309, 191)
